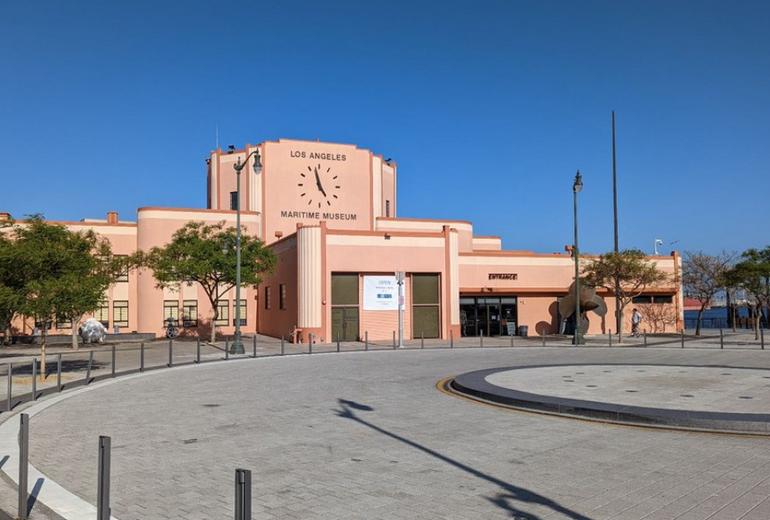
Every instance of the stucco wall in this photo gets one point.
(275, 321)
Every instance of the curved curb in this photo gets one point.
(475, 385)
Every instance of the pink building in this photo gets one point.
(329, 211)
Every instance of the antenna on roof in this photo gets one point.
(216, 138)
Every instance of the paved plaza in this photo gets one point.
(368, 435)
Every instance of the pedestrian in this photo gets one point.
(636, 319)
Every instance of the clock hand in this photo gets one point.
(318, 183)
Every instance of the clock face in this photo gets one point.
(320, 186)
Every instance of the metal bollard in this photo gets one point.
(762, 337)
(198, 350)
(227, 348)
(451, 339)
(682, 338)
(170, 353)
(141, 357)
(338, 343)
(34, 378)
(58, 373)
(394, 340)
(10, 386)
(282, 350)
(103, 480)
(543, 338)
(481, 339)
(90, 364)
(366, 340)
(113, 361)
(310, 343)
(242, 494)
(254, 346)
(609, 336)
(23, 465)
(645, 338)
(422, 339)
(511, 340)
(721, 339)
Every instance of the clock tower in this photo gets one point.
(304, 183)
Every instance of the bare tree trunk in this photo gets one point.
(73, 324)
(734, 316)
(755, 311)
(700, 318)
(620, 324)
(214, 318)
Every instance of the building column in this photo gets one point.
(310, 281)
(451, 300)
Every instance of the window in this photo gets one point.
(282, 296)
(233, 200)
(244, 313)
(653, 298)
(267, 298)
(102, 314)
(123, 275)
(170, 310)
(63, 323)
(120, 313)
(223, 312)
(345, 289)
(190, 313)
(387, 208)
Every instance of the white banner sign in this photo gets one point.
(380, 293)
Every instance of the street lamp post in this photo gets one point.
(237, 345)
(576, 187)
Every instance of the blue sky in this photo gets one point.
(489, 108)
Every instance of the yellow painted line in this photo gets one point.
(444, 386)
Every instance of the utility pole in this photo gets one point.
(615, 220)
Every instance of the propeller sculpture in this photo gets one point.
(589, 301)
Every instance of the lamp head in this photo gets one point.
(577, 186)
(257, 162)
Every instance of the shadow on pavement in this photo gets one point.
(504, 500)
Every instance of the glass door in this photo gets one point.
(493, 316)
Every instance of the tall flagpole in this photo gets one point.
(615, 219)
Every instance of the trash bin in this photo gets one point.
(523, 330)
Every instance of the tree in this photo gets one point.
(703, 276)
(205, 254)
(11, 286)
(658, 315)
(630, 269)
(752, 274)
(63, 274)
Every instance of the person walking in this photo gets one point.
(636, 320)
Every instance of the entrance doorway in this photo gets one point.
(345, 306)
(488, 316)
(345, 323)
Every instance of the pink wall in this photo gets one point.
(275, 321)
(155, 228)
(374, 253)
